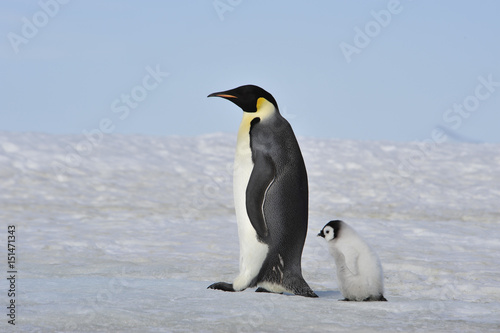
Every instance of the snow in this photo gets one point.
(124, 233)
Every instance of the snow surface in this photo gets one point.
(124, 233)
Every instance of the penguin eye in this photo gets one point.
(327, 231)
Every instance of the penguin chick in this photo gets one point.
(359, 271)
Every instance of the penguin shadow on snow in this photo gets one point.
(333, 294)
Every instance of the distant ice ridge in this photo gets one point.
(126, 232)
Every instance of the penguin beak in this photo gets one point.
(239, 98)
(223, 95)
(321, 234)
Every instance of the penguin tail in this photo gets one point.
(300, 288)
(307, 293)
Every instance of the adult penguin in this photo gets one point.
(270, 196)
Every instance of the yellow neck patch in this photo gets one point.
(260, 101)
(264, 110)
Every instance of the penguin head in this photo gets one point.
(249, 97)
(331, 230)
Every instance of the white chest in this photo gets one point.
(252, 251)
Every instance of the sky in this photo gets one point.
(362, 70)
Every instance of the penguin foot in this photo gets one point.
(379, 298)
(224, 286)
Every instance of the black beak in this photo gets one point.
(321, 234)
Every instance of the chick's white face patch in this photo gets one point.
(329, 233)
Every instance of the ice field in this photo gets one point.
(125, 233)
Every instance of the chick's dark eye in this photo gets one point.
(328, 231)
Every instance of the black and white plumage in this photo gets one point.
(359, 272)
(270, 196)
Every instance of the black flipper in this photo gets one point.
(262, 176)
(224, 286)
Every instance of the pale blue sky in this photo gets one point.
(79, 65)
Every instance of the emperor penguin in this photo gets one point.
(359, 272)
(270, 197)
